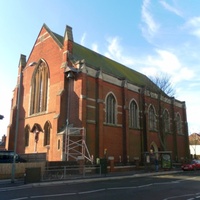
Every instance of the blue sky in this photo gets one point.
(150, 36)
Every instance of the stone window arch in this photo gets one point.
(39, 88)
(152, 118)
(178, 124)
(111, 107)
(47, 131)
(133, 114)
(166, 121)
(58, 145)
(26, 135)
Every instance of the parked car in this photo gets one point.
(194, 165)
(7, 157)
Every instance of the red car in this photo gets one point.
(195, 164)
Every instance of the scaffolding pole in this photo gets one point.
(75, 144)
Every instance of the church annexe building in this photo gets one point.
(75, 102)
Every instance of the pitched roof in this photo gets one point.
(194, 139)
(106, 65)
(100, 62)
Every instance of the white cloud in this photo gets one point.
(166, 62)
(183, 74)
(95, 47)
(114, 49)
(194, 26)
(171, 8)
(163, 61)
(151, 26)
(149, 71)
(195, 21)
(195, 84)
(192, 105)
(115, 52)
(83, 39)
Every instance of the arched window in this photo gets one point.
(39, 88)
(110, 109)
(166, 122)
(178, 124)
(133, 115)
(26, 135)
(58, 144)
(152, 119)
(47, 129)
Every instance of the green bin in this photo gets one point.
(103, 165)
(166, 162)
(32, 175)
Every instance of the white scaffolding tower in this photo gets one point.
(75, 144)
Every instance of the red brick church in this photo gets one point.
(75, 102)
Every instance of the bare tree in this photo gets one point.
(162, 85)
(163, 81)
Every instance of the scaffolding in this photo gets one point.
(75, 144)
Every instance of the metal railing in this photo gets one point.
(70, 172)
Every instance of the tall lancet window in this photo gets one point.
(111, 109)
(166, 121)
(178, 124)
(39, 88)
(26, 135)
(152, 119)
(133, 115)
(47, 130)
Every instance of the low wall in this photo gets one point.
(34, 157)
(6, 169)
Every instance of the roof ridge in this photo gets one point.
(54, 35)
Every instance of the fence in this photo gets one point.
(20, 168)
(70, 172)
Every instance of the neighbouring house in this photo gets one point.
(194, 142)
(3, 142)
(76, 103)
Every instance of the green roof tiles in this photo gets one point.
(108, 66)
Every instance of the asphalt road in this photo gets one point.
(183, 185)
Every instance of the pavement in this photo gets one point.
(6, 184)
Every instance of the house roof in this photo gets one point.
(106, 65)
(194, 139)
